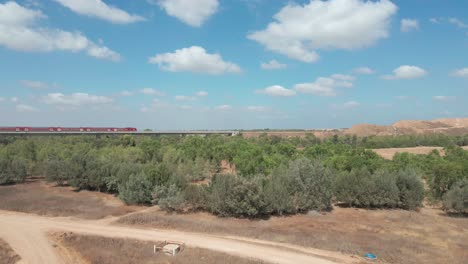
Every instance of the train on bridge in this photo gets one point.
(67, 129)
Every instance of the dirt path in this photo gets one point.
(27, 235)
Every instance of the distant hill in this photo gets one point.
(448, 126)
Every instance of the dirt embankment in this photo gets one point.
(7, 254)
(454, 126)
(106, 250)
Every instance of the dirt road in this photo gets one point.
(27, 235)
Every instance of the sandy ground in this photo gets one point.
(7, 255)
(388, 153)
(27, 235)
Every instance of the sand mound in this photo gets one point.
(449, 126)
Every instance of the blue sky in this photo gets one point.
(224, 64)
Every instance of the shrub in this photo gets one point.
(55, 171)
(382, 189)
(233, 196)
(12, 171)
(352, 188)
(136, 190)
(278, 193)
(312, 183)
(169, 197)
(456, 199)
(411, 189)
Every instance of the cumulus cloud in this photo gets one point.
(363, 70)
(408, 25)
(19, 30)
(406, 72)
(25, 108)
(194, 59)
(277, 90)
(461, 73)
(273, 65)
(191, 12)
(99, 9)
(326, 86)
(75, 99)
(457, 22)
(185, 98)
(155, 106)
(37, 84)
(443, 98)
(151, 91)
(300, 30)
(224, 107)
(201, 94)
(125, 93)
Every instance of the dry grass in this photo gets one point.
(102, 250)
(7, 255)
(395, 236)
(388, 153)
(35, 196)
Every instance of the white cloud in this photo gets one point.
(151, 91)
(36, 84)
(25, 108)
(457, 22)
(300, 30)
(194, 59)
(326, 86)
(19, 31)
(347, 105)
(406, 72)
(14, 99)
(224, 107)
(201, 94)
(277, 90)
(443, 98)
(155, 106)
(185, 107)
(257, 108)
(191, 12)
(351, 104)
(99, 9)
(435, 20)
(2, 99)
(461, 72)
(363, 70)
(273, 65)
(75, 99)
(408, 25)
(185, 98)
(125, 93)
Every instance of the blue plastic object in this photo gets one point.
(370, 256)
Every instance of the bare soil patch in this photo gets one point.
(286, 134)
(395, 236)
(103, 250)
(38, 197)
(388, 153)
(7, 254)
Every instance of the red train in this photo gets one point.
(67, 129)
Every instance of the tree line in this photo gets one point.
(274, 176)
